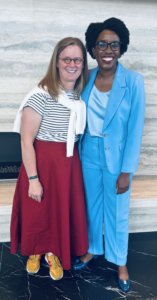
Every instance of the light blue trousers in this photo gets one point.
(107, 212)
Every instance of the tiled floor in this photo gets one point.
(96, 282)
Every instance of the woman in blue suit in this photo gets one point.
(110, 147)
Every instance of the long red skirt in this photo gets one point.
(58, 223)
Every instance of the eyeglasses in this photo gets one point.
(103, 45)
(68, 60)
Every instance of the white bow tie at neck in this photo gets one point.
(77, 121)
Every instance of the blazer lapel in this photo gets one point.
(116, 96)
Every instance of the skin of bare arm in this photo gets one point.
(29, 127)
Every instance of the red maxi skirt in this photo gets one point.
(58, 223)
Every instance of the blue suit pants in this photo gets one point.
(107, 212)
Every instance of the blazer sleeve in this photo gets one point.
(135, 127)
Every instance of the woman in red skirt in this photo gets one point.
(48, 215)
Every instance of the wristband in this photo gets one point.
(33, 177)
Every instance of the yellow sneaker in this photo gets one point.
(56, 270)
(33, 264)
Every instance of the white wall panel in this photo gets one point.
(29, 29)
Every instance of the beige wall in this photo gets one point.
(29, 30)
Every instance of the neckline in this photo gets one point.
(107, 92)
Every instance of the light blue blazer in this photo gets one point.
(124, 119)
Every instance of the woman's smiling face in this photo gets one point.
(70, 64)
(108, 54)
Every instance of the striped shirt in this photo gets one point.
(55, 116)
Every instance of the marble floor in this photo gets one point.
(96, 282)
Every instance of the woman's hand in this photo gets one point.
(35, 190)
(123, 183)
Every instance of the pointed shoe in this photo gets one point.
(79, 265)
(124, 285)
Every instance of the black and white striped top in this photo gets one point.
(55, 116)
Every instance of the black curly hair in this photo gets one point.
(113, 24)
